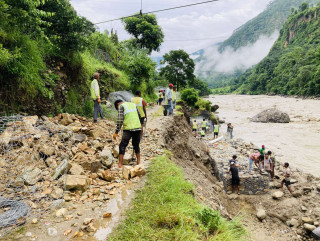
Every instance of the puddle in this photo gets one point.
(116, 206)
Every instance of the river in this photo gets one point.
(297, 142)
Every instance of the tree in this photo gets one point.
(200, 85)
(179, 67)
(146, 31)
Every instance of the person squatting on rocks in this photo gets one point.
(95, 95)
(255, 157)
(169, 99)
(216, 131)
(230, 130)
(287, 177)
(235, 176)
(129, 117)
(141, 105)
(203, 134)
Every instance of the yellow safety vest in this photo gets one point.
(204, 124)
(92, 91)
(203, 133)
(131, 118)
(216, 128)
(161, 95)
(138, 101)
(195, 126)
(173, 95)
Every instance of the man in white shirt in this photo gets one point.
(287, 177)
(95, 95)
(169, 99)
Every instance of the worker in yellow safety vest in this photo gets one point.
(174, 97)
(160, 97)
(141, 105)
(129, 117)
(216, 131)
(195, 127)
(204, 125)
(203, 134)
(95, 96)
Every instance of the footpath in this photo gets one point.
(76, 192)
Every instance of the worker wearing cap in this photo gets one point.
(169, 98)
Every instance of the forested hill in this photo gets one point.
(293, 64)
(246, 39)
(265, 23)
(48, 55)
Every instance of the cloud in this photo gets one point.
(213, 22)
(243, 58)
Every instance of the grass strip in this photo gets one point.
(166, 209)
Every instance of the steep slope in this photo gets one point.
(293, 64)
(256, 36)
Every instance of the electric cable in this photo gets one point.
(160, 10)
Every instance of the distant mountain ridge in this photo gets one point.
(265, 24)
(293, 64)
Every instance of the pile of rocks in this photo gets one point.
(65, 158)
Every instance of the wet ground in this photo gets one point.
(296, 142)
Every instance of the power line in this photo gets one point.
(161, 10)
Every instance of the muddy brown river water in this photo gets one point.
(297, 142)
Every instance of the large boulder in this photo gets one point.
(106, 158)
(97, 132)
(31, 176)
(66, 119)
(261, 214)
(63, 168)
(271, 116)
(76, 169)
(77, 182)
(277, 195)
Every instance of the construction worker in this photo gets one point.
(174, 97)
(129, 117)
(160, 97)
(195, 127)
(203, 134)
(95, 95)
(216, 131)
(141, 105)
(204, 125)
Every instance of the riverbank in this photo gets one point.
(295, 142)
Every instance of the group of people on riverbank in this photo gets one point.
(265, 162)
(204, 128)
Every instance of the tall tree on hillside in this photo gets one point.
(179, 67)
(146, 31)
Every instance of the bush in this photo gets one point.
(203, 104)
(190, 96)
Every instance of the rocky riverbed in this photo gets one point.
(296, 142)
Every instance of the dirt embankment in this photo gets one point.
(287, 218)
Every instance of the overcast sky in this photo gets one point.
(183, 28)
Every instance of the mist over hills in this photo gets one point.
(249, 44)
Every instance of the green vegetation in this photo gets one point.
(146, 31)
(179, 68)
(166, 209)
(266, 23)
(190, 96)
(48, 55)
(293, 64)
